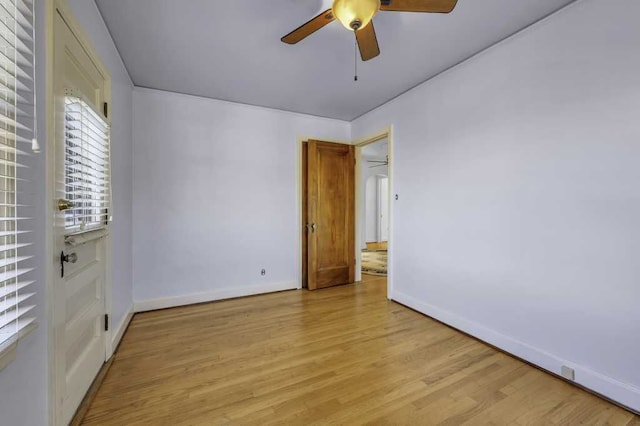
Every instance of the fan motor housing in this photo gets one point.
(355, 14)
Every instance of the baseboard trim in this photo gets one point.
(623, 394)
(118, 332)
(211, 296)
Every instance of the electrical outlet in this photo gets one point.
(263, 272)
(568, 373)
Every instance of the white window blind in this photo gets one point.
(17, 117)
(87, 168)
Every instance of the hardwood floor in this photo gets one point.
(344, 355)
(377, 246)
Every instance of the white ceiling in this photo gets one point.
(231, 50)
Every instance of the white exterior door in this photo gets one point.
(80, 251)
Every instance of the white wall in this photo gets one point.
(27, 377)
(518, 174)
(376, 208)
(371, 209)
(216, 197)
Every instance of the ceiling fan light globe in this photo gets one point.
(355, 14)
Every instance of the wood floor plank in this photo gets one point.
(343, 355)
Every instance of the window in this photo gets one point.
(16, 135)
(86, 160)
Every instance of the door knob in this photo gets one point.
(64, 204)
(66, 258)
(69, 258)
(314, 227)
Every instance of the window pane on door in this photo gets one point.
(87, 171)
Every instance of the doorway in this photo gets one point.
(385, 227)
(374, 170)
(79, 225)
(374, 209)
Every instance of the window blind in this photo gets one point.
(87, 168)
(17, 118)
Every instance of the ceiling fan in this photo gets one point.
(357, 15)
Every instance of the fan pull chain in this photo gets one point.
(355, 63)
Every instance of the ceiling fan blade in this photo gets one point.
(430, 6)
(309, 28)
(368, 42)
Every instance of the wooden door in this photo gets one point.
(79, 282)
(330, 214)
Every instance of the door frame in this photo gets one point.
(52, 7)
(386, 132)
(359, 144)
